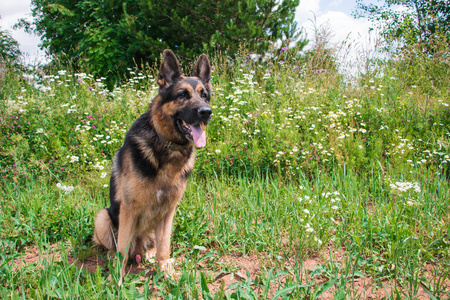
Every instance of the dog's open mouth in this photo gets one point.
(194, 133)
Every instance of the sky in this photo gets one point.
(10, 12)
(335, 14)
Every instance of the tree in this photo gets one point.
(9, 48)
(113, 35)
(410, 21)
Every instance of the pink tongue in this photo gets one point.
(199, 136)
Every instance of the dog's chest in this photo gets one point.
(165, 190)
(158, 202)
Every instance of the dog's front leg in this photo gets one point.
(163, 231)
(124, 239)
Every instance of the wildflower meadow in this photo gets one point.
(312, 185)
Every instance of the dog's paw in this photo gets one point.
(109, 254)
(150, 255)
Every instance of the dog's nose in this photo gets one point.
(205, 112)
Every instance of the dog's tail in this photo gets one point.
(105, 233)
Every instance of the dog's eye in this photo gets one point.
(184, 95)
(204, 95)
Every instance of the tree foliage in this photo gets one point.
(113, 35)
(9, 48)
(410, 21)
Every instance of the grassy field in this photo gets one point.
(310, 186)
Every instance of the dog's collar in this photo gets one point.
(173, 146)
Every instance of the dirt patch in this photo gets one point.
(32, 254)
(365, 287)
(242, 264)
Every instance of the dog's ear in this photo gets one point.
(203, 70)
(169, 70)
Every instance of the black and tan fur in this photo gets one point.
(151, 169)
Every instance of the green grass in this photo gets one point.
(299, 167)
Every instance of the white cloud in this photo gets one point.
(306, 9)
(341, 24)
(16, 6)
(352, 39)
(345, 27)
(336, 3)
(350, 36)
(11, 11)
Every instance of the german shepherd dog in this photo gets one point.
(151, 169)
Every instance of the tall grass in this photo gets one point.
(300, 164)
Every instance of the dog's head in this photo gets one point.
(181, 110)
